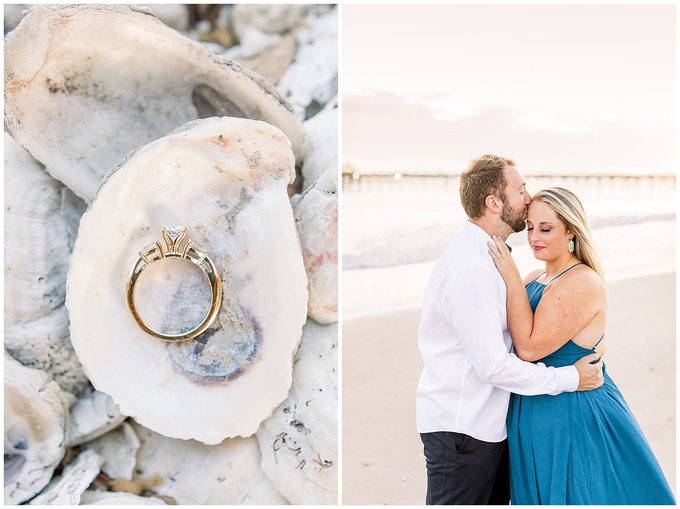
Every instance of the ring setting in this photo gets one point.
(173, 238)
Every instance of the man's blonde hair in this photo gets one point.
(484, 176)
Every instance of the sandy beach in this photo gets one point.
(381, 450)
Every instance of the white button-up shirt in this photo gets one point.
(463, 338)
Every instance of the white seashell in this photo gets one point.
(316, 217)
(67, 488)
(44, 343)
(270, 19)
(226, 180)
(299, 443)
(174, 15)
(35, 430)
(322, 130)
(68, 102)
(34, 222)
(13, 14)
(41, 216)
(312, 80)
(253, 42)
(270, 62)
(93, 415)
(119, 450)
(117, 498)
(194, 473)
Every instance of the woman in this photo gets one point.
(577, 447)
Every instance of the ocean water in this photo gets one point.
(388, 222)
(394, 230)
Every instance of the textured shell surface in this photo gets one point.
(193, 473)
(93, 415)
(299, 442)
(13, 14)
(313, 79)
(33, 221)
(225, 179)
(67, 488)
(316, 216)
(119, 449)
(41, 218)
(45, 343)
(322, 130)
(268, 19)
(35, 430)
(68, 103)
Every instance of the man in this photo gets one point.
(469, 370)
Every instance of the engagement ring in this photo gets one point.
(173, 237)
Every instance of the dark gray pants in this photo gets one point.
(464, 470)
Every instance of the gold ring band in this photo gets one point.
(173, 237)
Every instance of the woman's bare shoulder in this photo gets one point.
(581, 280)
(586, 276)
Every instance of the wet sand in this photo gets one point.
(381, 451)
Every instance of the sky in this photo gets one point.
(559, 88)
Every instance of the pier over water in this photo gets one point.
(653, 187)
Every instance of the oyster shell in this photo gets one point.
(226, 180)
(174, 15)
(312, 80)
(316, 216)
(269, 55)
(93, 415)
(67, 488)
(41, 218)
(322, 130)
(270, 19)
(299, 443)
(119, 449)
(45, 344)
(13, 14)
(35, 430)
(194, 473)
(68, 103)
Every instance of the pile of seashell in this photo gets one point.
(120, 120)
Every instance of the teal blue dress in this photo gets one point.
(579, 447)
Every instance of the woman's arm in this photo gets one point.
(470, 302)
(520, 316)
(564, 310)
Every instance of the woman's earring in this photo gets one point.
(570, 247)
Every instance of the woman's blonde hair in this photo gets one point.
(570, 211)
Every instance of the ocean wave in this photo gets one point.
(426, 244)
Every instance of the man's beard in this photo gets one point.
(513, 218)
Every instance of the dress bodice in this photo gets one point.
(568, 353)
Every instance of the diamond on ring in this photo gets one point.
(173, 237)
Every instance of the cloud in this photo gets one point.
(543, 122)
(398, 133)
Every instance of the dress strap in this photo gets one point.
(598, 342)
(565, 270)
(536, 278)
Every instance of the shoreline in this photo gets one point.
(382, 453)
(424, 244)
(366, 292)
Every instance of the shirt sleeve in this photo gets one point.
(472, 307)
